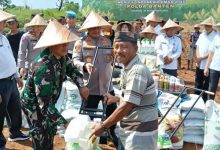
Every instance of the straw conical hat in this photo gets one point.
(118, 28)
(55, 34)
(209, 21)
(37, 21)
(217, 26)
(153, 17)
(171, 24)
(5, 16)
(196, 26)
(94, 20)
(148, 29)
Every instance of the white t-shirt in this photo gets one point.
(215, 47)
(204, 42)
(158, 29)
(7, 60)
(168, 46)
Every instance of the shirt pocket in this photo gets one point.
(107, 55)
(173, 47)
(88, 55)
(164, 46)
(33, 43)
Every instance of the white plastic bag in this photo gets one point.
(212, 126)
(167, 127)
(79, 131)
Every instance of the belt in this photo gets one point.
(8, 78)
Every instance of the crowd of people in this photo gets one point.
(45, 53)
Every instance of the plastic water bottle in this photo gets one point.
(177, 85)
(156, 81)
(172, 84)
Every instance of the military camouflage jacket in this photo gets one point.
(44, 84)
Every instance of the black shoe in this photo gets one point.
(20, 137)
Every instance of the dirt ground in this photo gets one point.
(187, 75)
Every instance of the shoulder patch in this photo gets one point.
(78, 47)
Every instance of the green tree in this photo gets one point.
(5, 3)
(71, 6)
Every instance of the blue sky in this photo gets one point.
(39, 4)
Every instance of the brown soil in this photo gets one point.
(187, 75)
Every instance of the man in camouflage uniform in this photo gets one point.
(44, 84)
(83, 55)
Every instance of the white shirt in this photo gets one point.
(215, 47)
(204, 42)
(7, 61)
(157, 29)
(168, 46)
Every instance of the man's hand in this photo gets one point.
(84, 92)
(198, 61)
(66, 125)
(20, 83)
(97, 130)
(167, 60)
(23, 71)
(206, 71)
(109, 99)
(89, 67)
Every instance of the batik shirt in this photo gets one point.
(43, 87)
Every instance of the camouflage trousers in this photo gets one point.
(42, 132)
(42, 138)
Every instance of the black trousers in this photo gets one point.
(213, 82)
(93, 102)
(201, 82)
(171, 72)
(10, 106)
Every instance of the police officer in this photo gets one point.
(26, 53)
(71, 25)
(83, 55)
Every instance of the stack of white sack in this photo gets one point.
(68, 103)
(165, 100)
(194, 123)
(212, 126)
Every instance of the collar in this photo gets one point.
(209, 33)
(132, 62)
(51, 57)
(169, 37)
